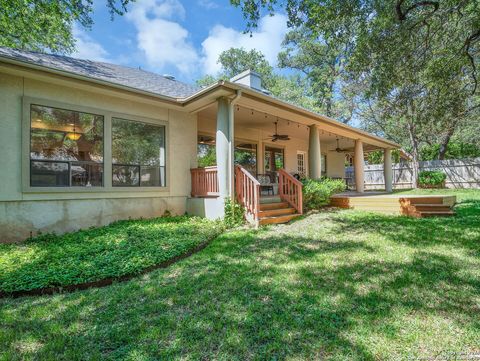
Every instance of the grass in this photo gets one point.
(122, 248)
(337, 285)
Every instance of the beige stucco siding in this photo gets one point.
(23, 211)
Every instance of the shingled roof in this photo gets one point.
(117, 74)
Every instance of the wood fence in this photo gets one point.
(461, 173)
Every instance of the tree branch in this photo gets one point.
(402, 15)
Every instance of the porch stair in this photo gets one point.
(274, 211)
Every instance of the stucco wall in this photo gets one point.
(23, 212)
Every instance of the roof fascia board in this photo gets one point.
(33, 70)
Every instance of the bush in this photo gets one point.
(431, 179)
(317, 193)
(234, 214)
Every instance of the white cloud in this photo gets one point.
(87, 48)
(163, 42)
(267, 39)
(208, 4)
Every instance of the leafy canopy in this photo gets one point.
(47, 24)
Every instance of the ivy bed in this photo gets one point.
(100, 256)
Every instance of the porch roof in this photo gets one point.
(178, 95)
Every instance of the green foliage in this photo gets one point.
(412, 64)
(122, 248)
(47, 25)
(234, 214)
(206, 155)
(376, 157)
(317, 193)
(342, 285)
(455, 150)
(431, 178)
(293, 88)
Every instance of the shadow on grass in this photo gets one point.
(272, 294)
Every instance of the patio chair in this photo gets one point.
(266, 183)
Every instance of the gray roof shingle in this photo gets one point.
(122, 75)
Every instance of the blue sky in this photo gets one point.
(178, 37)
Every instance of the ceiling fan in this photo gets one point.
(338, 149)
(274, 137)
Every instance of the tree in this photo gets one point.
(236, 60)
(293, 88)
(322, 61)
(47, 24)
(417, 59)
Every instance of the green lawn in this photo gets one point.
(119, 249)
(340, 285)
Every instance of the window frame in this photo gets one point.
(107, 149)
(157, 124)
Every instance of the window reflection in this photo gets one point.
(66, 148)
(138, 154)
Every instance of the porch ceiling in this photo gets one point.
(254, 119)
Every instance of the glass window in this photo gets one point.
(66, 148)
(274, 159)
(324, 165)
(138, 154)
(301, 167)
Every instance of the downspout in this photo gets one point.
(231, 136)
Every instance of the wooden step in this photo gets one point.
(278, 219)
(268, 206)
(437, 214)
(425, 200)
(270, 199)
(431, 207)
(276, 212)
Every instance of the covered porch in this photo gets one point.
(250, 145)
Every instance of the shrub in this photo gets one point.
(317, 193)
(234, 214)
(431, 179)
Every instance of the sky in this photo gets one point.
(182, 38)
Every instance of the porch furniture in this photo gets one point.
(266, 183)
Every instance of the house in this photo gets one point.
(85, 143)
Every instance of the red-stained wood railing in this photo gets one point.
(204, 182)
(290, 190)
(247, 189)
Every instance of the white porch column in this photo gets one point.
(387, 169)
(314, 153)
(358, 163)
(223, 147)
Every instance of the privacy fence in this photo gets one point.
(461, 173)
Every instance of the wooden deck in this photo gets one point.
(410, 205)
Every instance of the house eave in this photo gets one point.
(204, 97)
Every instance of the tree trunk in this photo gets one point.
(444, 144)
(415, 164)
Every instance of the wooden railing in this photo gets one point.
(290, 190)
(247, 189)
(204, 181)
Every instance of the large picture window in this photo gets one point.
(138, 154)
(66, 148)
